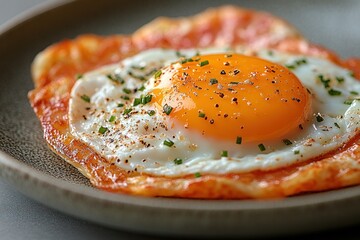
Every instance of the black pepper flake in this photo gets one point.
(216, 105)
(212, 121)
(319, 118)
(336, 125)
(226, 115)
(222, 72)
(168, 143)
(236, 72)
(301, 126)
(238, 140)
(226, 63)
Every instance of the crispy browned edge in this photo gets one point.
(54, 72)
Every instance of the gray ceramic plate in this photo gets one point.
(28, 164)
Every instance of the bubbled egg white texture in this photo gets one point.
(141, 137)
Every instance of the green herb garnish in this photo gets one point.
(167, 109)
(334, 92)
(178, 161)
(238, 140)
(224, 153)
(197, 174)
(112, 118)
(213, 81)
(127, 111)
(203, 63)
(158, 74)
(151, 112)
(168, 143)
(85, 97)
(103, 130)
(261, 147)
(201, 114)
(287, 142)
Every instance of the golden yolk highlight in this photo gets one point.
(232, 97)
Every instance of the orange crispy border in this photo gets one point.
(54, 72)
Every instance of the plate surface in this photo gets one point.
(28, 164)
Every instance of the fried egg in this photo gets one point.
(214, 111)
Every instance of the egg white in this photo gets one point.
(135, 141)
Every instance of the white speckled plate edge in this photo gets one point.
(179, 216)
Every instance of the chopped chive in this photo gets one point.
(334, 92)
(103, 130)
(325, 82)
(238, 140)
(137, 101)
(289, 66)
(301, 61)
(78, 76)
(151, 112)
(351, 74)
(261, 147)
(120, 105)
(126, 90)
(296, 152)
(167, 109)
(85, 97)
(146, 99)
(178, 54)
(142, 88)
(116, 78)
(287, 142)
(224, 153)
(203, 63)
(197, 174)
(319, 118)
(354, 93)
(178, 161)
(201, 114)
(127, 111)
(112, 118)
(158, 74)
(213, 81)
(336, 125)
(125, 97)
(348, 102)
(340, 79)
(142, 78)
(168, 143)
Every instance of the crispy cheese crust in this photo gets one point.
(54, 72)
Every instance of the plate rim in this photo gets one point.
(25, 171)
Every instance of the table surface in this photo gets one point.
(23, 218)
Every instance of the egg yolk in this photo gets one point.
(232, 97)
